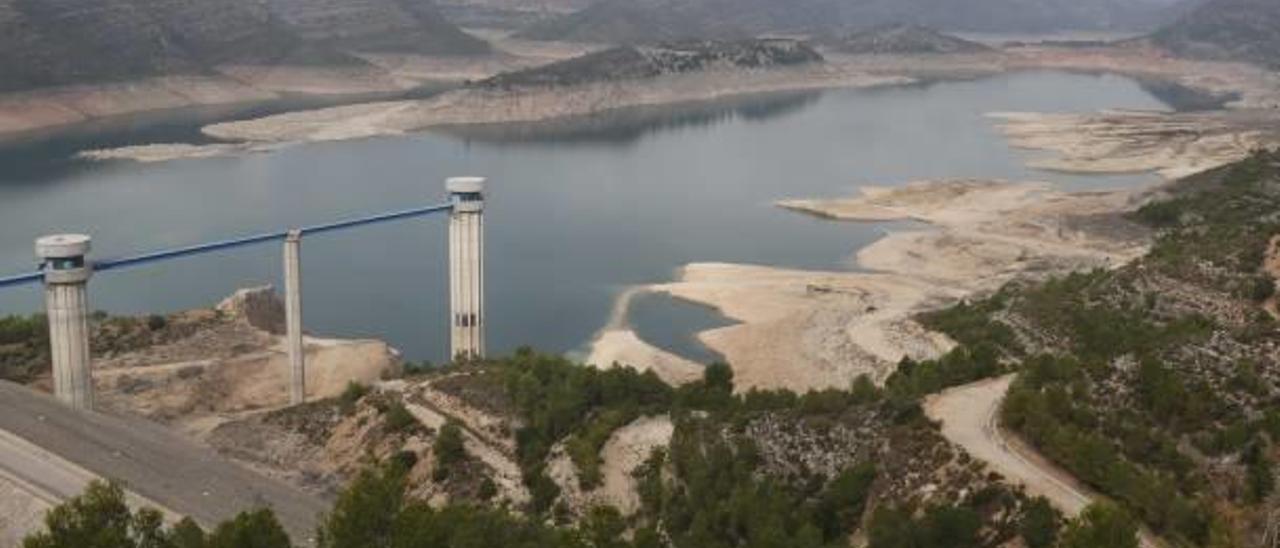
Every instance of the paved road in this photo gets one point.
(49, 448)
(969, 415)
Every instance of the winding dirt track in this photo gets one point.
(970, 418)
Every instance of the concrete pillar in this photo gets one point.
(466, 267)
(293, 317)
(66, 275)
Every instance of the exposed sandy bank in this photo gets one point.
(1172, 144)
(235, 84)
(805, 330)
(1256, 88)
(617, 344)
(72, 104)
(492, 106)
(161, 153)
(477, 106)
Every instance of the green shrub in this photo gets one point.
(398, 418)
(156, 322)
(1263, 288)
(101, 518)
(350, 396)
(1101, 525)
(1040, 524)
(450, 450)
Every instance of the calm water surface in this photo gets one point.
(578, 211)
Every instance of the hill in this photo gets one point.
(376, 25)
(1153, 382)
(630, 62)
(904, 39)
(1234, 30)
(506, 14)
(61, 42)
(645, 21)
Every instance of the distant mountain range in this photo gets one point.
(641, 21)
(57, 42)
(1236, 30)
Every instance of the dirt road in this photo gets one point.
(53, 451)
(970, 418)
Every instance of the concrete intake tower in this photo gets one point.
(66, 274)
(466, 267)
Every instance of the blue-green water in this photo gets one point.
(578, 211)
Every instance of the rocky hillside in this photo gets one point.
(904, 39)
(58, 42)
(375, 25)
(556, 441)
(630, 62)
(647, 21)
(1235, 30)
(1155, 383)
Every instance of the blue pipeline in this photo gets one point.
(199, 249)
(21, 279)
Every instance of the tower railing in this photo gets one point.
(65, 272)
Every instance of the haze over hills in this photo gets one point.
(899, 39)
(506, 13)
(375, 25)
(57, 42)
(1237, 30)
(652, 20)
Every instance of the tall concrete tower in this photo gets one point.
(293, 317)
(466, 266)
(66, 275)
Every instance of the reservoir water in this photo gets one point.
(578, 211)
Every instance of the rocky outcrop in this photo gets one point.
(260, 307)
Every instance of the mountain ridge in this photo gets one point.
(642, 21)
(48, 43)
(1230, 30)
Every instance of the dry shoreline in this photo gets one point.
(806, 330)
(50, 110)
(1253, 88)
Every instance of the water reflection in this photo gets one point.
(672, 325)
(626, 126)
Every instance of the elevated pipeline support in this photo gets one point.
(293, 317)
(65, 272)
